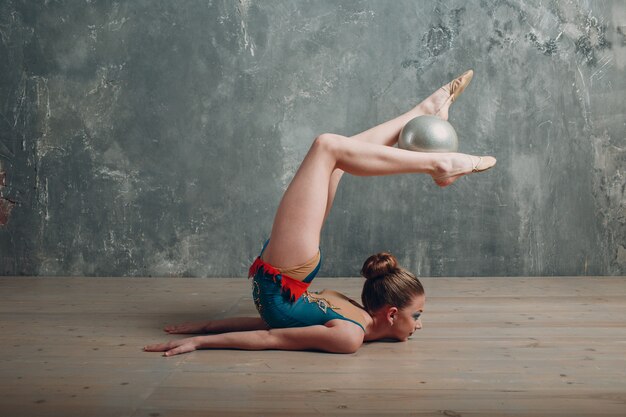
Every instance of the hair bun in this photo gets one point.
(379, 265)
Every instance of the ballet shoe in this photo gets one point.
(455, 87)
(484, 163)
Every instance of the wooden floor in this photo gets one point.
(489, 347)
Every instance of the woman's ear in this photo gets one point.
(392, 315)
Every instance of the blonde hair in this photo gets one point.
(387, 283)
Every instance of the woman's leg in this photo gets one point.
(300, 215)
(387, 133)
(298, 222)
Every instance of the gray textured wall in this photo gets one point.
(156, 137)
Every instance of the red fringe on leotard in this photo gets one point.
(292, 287)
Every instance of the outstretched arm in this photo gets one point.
(337, 336)
(232, 324)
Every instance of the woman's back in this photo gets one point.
(347, 308)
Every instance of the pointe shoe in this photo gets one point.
(484, 163)
(455, 87)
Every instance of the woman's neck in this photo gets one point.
(376, 329)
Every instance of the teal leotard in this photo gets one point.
(279, 310)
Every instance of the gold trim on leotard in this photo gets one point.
(322, 302)
(338, 302)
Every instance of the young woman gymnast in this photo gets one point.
(291, 317)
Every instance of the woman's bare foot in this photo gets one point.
(188, 328)
(453, 166)
(438, 103)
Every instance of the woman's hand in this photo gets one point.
(175, 347)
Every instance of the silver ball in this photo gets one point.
(428, 134)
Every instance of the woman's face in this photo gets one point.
(407, 320)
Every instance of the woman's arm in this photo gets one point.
(337, 336)
(232, 324)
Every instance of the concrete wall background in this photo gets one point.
(156, 137)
